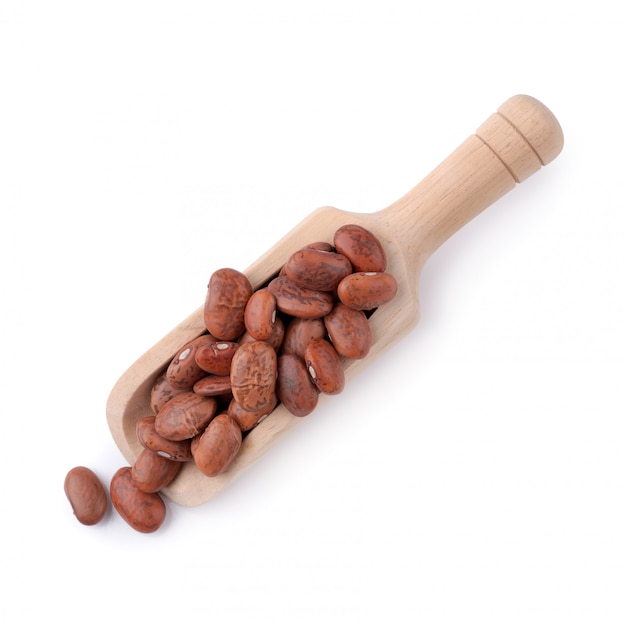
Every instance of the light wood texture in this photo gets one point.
(508, 147)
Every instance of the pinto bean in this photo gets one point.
(293, 299)
(152, 472)
(162, 392)
(321, 245)
(260, 314)
(228, 292)
(183, 370)
(365, 291)
(144, 512)
(149, 438)
(253, 375)
(212, 386)
(185, 415)
(216, 448)
(278, 333)
(317, 269)
(299, 332)
(215, 357)
(275, 339)
(362, 247)
(324, 366)
(249, 419)
(349, 331)
(294, 386)
(86, 494)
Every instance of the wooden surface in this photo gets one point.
(507, 148)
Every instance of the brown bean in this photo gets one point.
(212, 385)
(278, 333)
(215, 357)
(162, 392)
(324, 366)
(294, 386)
(149, 438)
(194, 443)
(86, 494)
(317, 269)
(299, 301)
(228, 292)
(321, 245)
(260, 314)
(218, 445)
(183, 370)
(253, 375)
(152, 472)
(144, 512)
(299, 332)
(185, 415)
(362, 247)
(349, 331)
(249, 419)
(365, 291)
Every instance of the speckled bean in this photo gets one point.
(152, 472)
(260, 314)
(299, 301)
(212, 385)
(183, 370)
(162, 392)
(349, 331)
(215, 357)
(324, 366)
(249, 419)
(149, 438)
(216, 448)
(227, 294)
(144, 512)
(321, 245)
(294, 387)
(185, 415)
(253, 375)
(317, 269)
(86, 494)
(365, 291)
(362, 247)
(275, 339)
(299, 332)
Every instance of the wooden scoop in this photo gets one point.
(510, 146)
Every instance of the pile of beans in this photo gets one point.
(284, 343)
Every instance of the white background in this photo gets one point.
(474, 474)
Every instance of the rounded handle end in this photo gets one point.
(525, 134)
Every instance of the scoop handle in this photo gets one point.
(511, 145)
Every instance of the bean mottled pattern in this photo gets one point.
(149, 438)
(227, 294)
(299, 332)
(295, 389)
(183, 371)
(317, 269)
(293, 299)
(217, 447)
(363, 248)
(349, 331)
(152, 472)
(86, 495)
(144, 512)
(324, 366)
(185, 415)
(365, 291)
(253, 375)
